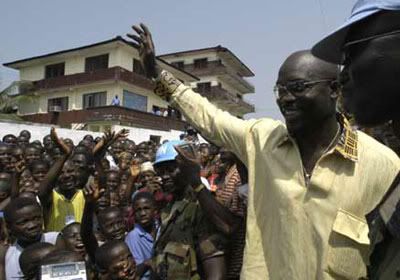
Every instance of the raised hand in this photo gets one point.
(20, 166)
(135, 168)
(107, 139)
(59, 142)
(189, 164)
(93, 192)
(122, 134)
(108, 136)
(147, 51)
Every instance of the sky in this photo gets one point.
(262, 33)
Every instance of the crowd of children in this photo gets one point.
(127, 210)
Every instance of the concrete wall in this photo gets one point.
(74, 65)
(123, 57)
(32, 73)
(38, 131)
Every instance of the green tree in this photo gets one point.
(15, 94)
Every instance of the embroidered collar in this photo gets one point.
(347, 144)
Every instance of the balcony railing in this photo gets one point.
(109, 114)
(110, 74)
(217, 68)
(220, 95)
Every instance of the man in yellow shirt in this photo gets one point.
(311, 181)
(61, 200)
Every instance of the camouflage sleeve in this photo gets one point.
(209, 242)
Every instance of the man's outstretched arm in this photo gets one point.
(219, 126)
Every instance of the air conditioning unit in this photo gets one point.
(55, 109)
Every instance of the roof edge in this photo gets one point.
(115, 39)
(218, 48)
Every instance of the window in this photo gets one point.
(54, 70)
(137, 67)
(97, 99)
(57, 104)
(179, 64)
(96, 62)
(200, 63)
(204, 87)
(135, 101)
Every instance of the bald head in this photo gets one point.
(307, 92)
(309, 67)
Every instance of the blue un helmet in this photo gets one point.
(167, 151)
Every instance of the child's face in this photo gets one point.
(144, 212)
(73, 240)
(18, 154)
(31, 154)
(117, 148)
(27, 224)
(112, 181)
(146, 176)
(22, 141)
(5, 156)
(39, 171)
(122, 266)
(142, 149)
(103, 202)
(112, 225)
(125, 161)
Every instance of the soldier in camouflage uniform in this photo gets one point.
(187, 247)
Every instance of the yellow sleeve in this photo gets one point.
(216, 125)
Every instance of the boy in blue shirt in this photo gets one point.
(141, 239)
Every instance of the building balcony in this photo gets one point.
(108, 115)
(110, 74)
(221, 97)
(217, 68)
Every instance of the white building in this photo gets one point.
(74, 88)
(222, 76)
